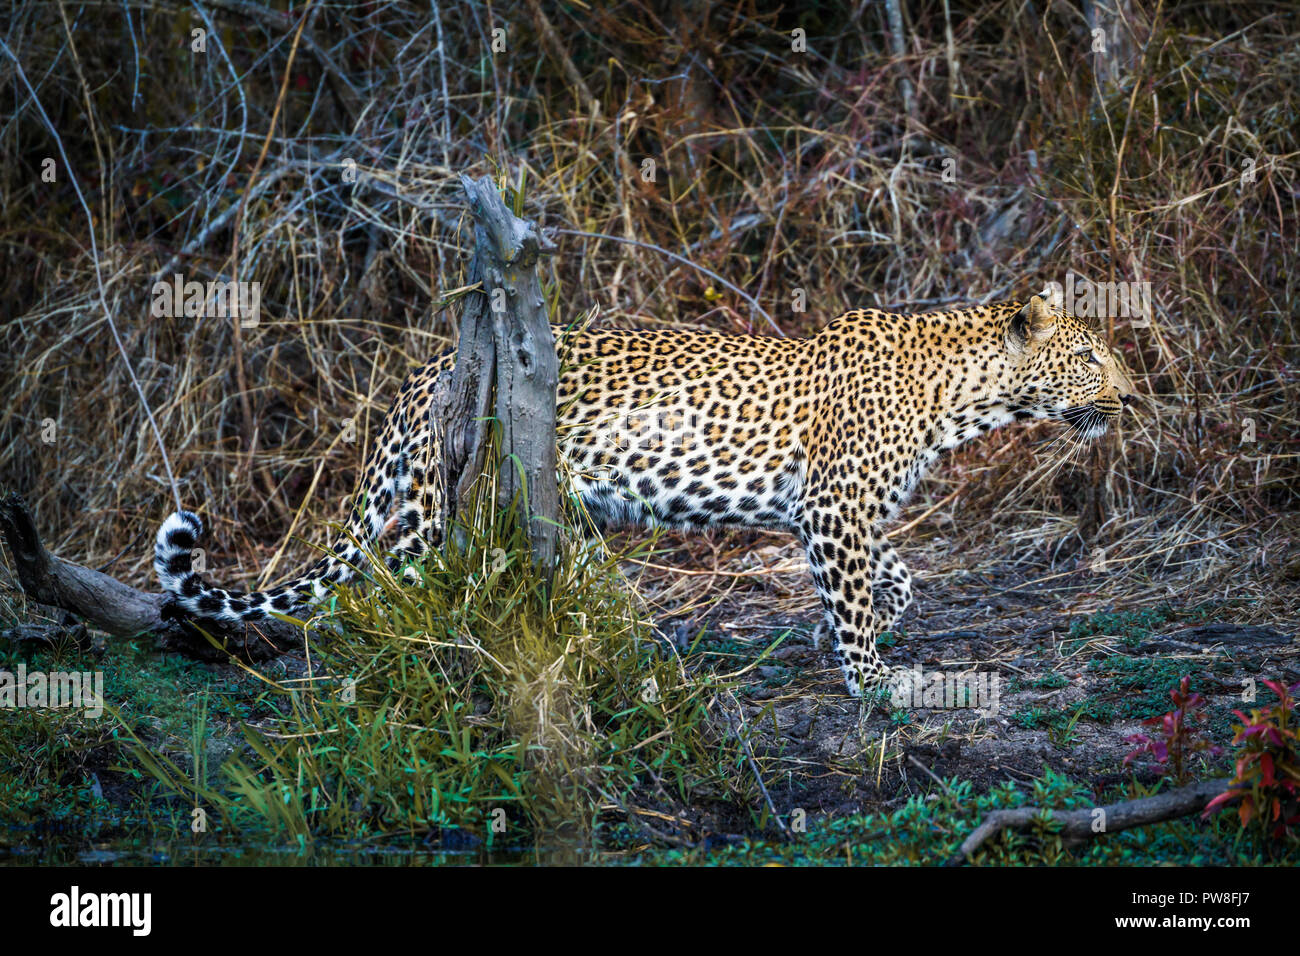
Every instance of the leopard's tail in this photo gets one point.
(387, 477)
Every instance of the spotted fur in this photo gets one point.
(824, 437)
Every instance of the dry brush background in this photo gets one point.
(778, 170)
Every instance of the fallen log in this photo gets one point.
(71, 632)
(123, 611)
(1080, 825)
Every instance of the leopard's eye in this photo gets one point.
(1089, 355)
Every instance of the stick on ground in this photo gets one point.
(120, 609)
(1078, 825)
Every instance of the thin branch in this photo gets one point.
(741, 736)
(441, 50)
(338, 80)
(684, 261)
(555, 46)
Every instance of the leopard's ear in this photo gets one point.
(1033, 321)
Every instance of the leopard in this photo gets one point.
(824, 436)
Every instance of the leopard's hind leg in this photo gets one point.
(419, 513)
(419, 517)
(891, 584)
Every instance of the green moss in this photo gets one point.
(68, 781)
(1136, 625)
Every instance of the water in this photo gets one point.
(20, 849)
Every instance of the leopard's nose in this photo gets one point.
(1126, 400)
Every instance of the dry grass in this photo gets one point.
(775, 170)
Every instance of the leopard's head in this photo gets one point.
(1060, 368)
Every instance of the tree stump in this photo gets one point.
(506, 371)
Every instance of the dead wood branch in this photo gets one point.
(120, 609)
(555, 46)
(1080, 825)
(505, 347)
(74, 633)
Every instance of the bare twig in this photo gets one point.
(740, 735)
(682, 259)
(99, 276)
(338, 80)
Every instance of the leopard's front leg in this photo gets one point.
(845, 556)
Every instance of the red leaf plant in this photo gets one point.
(1266, 785)
(1180, 734)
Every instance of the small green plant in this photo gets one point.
(1181, 734)
(1138, 686)
(1029, 717)
(1130, 626)
(1133, 627)
(1061, 730)
(1266, 784)
(1049, 682)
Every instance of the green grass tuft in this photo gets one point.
(479, 699)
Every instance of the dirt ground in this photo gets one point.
(1076, 653)
(1081, 653)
